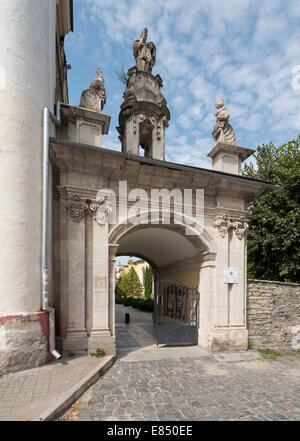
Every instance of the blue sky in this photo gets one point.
(240, 50)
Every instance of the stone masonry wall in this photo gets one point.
(274, 314)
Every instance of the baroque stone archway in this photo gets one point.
(92, 213)
(85, 243)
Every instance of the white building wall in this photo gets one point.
(27, 59)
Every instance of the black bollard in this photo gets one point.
(127, 317)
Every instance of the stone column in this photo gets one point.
(207, 302)
(237, 296)
(132, 136)
(76, 337)
(158, 140)
(112, 279)
(227, 318)
(101, 335)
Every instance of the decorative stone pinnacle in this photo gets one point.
(223, 131)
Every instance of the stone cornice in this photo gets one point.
(70, 147)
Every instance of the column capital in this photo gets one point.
(237, 224)
(77, 208)
(113, 248)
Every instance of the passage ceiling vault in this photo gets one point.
(161, 246)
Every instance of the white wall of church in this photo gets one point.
(27, 84)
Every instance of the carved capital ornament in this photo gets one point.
(225, 223)
(102, 210)
(76, 208)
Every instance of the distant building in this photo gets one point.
(139, 266)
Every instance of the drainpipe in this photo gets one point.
(47, 115)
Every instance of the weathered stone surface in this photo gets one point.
(23, 341)
(274, 314)
(144, 113)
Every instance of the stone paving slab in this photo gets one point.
(40, 393)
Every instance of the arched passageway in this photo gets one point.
(175, 258)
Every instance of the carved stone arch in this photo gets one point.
(201, 240)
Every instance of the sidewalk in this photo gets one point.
(45, 392)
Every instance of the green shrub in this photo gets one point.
(148, 282)
(99, 353)
(269, 353)
(250, 344)
(138, 303)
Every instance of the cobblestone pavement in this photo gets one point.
(193, 388)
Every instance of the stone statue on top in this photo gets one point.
(94, 98)
(144, 53)
(223, 131)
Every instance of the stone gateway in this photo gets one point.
(81, 225)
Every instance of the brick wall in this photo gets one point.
(274, 314)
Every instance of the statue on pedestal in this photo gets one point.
(94, 98)
(223, 132)
(144, 113)
(144, 53)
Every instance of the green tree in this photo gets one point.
(129, 285)
(133, 285)
(274, 228)
(120, 289)
(148, 276)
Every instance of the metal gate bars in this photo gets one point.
(176, 312)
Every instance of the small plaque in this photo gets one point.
(230, 275)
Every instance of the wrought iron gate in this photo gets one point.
(176, 312)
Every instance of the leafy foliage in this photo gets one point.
(122, 75)
(129, 285)
(148, 276)
(142, 304)
(99, 353)
(274, 228)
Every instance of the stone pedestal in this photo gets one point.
(144, 115)
(229, 157)
(83, 125)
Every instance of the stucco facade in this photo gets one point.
(28, 32)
